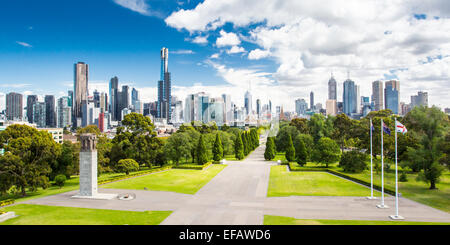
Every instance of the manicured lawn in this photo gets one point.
(280, 220)
(54, 215)
(176, 180)
(284, 183)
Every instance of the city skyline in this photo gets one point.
(211, 59)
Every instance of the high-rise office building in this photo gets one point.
(349, 97)
(301, 107)
(311, 100)
(331, 107)
(421, 99)
(228, 113)
(64, 112)
(80, 90)
(215, 111)
(164, 88)
(114, 99)
(70, 94)
(203, 107)
(39, 114)
(332, 88)
(50, 116)
(191, 108)
(31, 99)
(124, 98)
(377, 95)
(248, 102)
(258, 108)
(392, 96)
(14, 106)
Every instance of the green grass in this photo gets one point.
(53, 215)
(280, 220)
(176, 180)
(284, 183)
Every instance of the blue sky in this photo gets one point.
(285, 49)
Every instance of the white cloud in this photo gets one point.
(227, 39)
(214, 56)
(139, 6)
(235, 50)
(14, 85)
(24, 44)
(182, 51)
(200, 39)
(309, 39)
(257, 54)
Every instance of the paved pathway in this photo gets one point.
(237, 196)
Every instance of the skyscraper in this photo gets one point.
(311, 100)
(349, 97)
(64, 112)
(301, 107)
(39, 114)
(421, 99)
(258, 108)
(50, 113)
(203, 107)
(14, 106)
(248, 102)
(332, 88)
(191, 108)
(113, 98)
(124, 101)
(331, 107)
(164, 88)
(80, 90)
(377, 95)
(392, 95)
(31, 99)
(228, 113)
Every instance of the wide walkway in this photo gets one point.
(237, 196)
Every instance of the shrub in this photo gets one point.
(60, 180)
(127, 165)
(301, 154)
(353, 161)
(239, 147)
(269, 153)
(403, 177)
(290, 150)
(218, 149)
(202, 157)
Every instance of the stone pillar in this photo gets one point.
(88, 165)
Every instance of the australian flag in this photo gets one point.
(371, 127)
(386, 129)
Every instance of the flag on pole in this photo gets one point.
(400, 128)
(386, 129)
(371, 126)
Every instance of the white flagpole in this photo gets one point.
(396, 216)
(371, 169)
(382, 171)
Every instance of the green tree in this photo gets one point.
(239, 147)
(301, 154)
(33, 150)
(290, 150)
(60, 180)
(342, 129)
(281, 139)
(269, 153)
(218, 149)
(327, 151)
(64, 163)
(309, 145)
(127, 165)
(353, 161)
(90, 129)
(225, 127)
(445, 147)
(301, 124)
(202, 156)
(245, 143)
(430, 124)
(177, 147)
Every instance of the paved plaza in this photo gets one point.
(238, 196)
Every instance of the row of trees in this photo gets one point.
(425, 149)
(32, 158)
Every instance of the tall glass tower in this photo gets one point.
(164, 109)
(349, 97)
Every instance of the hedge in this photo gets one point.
(133, 175)
(6, 202)
(193, 166)
(293, 167)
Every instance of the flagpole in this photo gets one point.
(382, 171)
(396, 216)
(371, 157)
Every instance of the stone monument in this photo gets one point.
(88, 169)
